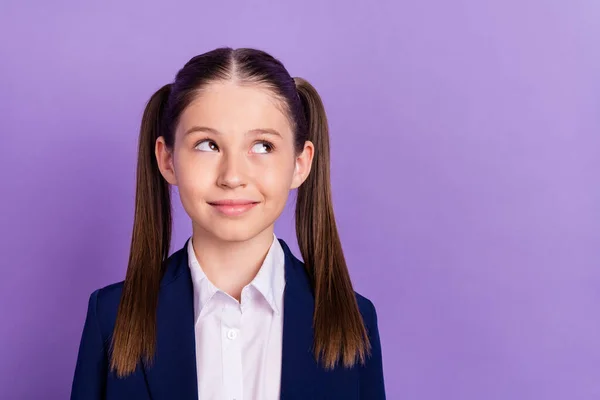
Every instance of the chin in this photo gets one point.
(234, 231)
(233, 236)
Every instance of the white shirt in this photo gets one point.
(238, 344)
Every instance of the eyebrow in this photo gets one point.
(268, 131)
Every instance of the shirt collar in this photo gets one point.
(269, 281)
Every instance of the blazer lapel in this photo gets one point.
(173, 373)
(299, 370)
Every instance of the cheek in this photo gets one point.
(275, 180)
(193, 176)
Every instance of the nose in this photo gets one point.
(231, 171)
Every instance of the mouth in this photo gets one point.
(233, 207)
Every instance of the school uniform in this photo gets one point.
(209, 346)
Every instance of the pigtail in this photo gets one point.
(135, 328)
(340, 334)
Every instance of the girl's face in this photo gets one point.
(234, 161)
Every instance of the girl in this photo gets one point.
(233, 314)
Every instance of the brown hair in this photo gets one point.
(340, 334)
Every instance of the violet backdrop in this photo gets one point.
(465, 166)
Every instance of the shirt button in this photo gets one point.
(231, 334)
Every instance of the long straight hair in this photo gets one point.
(340, 336)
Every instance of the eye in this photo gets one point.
(263, 148)
(207, 145)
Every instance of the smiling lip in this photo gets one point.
(233, 207)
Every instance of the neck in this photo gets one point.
(231, 265)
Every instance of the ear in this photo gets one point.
(303, 164)
(164, 158)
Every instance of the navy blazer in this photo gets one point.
(173, 373)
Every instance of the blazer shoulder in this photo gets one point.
(112, 290)
(105, 301)
(372, 384)
(109, 295)
(366, 307)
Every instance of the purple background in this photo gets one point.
(465, 162)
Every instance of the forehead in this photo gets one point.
(232, 108)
